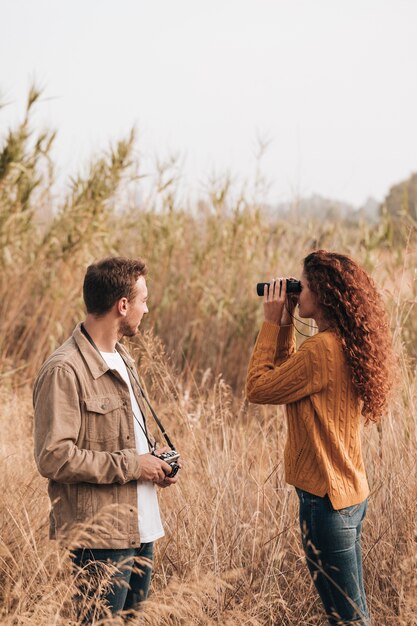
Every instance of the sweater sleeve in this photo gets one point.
(285, 345)
(301, 374)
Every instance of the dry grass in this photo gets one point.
(232, 552)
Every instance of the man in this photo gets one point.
(91, 437)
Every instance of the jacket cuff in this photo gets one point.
(133, 470)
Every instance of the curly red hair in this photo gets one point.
(348, 298)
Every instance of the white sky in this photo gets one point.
(332, 83)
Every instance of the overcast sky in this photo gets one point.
(331, 83)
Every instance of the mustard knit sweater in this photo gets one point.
(323, 449)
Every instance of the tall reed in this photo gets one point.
(232, 553)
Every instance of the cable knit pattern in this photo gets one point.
(323, 449)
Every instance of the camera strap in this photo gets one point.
(156, 418)
(154, 415)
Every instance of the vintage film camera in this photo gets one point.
(170, 457)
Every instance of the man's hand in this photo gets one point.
(152, 468)
(167, 482)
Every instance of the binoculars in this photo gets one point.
(293, 286)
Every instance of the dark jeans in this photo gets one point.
(331, 542)
(122, 589)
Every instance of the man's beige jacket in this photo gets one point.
(85, 446)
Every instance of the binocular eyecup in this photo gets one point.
(293, 286)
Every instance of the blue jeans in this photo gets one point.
(331, 542)
(126, 588)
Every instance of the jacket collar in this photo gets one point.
(93, 359)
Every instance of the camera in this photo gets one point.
(170, 458)
(293, 286)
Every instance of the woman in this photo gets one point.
(341, 372)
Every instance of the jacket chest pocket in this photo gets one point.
(103, 417)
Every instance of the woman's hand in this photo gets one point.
(278, 307)
(289, 306)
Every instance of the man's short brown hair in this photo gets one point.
(109, 280)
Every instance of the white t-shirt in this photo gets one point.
(150, 525)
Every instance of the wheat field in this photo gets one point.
(231, 553)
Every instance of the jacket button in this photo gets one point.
(128, 437)
(131, 510)
(133, 542)
(103, 406)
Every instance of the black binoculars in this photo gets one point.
(293, 286)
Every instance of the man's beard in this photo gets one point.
(126, 329)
